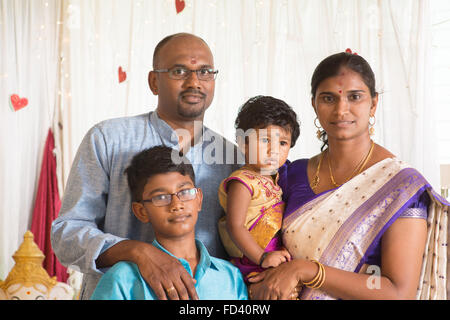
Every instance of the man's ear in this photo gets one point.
(152, 82)
(140, 212)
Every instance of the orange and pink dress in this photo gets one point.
(263, 220)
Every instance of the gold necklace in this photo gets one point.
(316, 179)
(358, 169)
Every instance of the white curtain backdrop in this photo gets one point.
(29, 32)
(267, 47)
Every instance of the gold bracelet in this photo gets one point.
(317, 275)
(319, 279)
(314, 285)
(320, 282)
(319, 285)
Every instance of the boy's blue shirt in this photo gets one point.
(217, 279)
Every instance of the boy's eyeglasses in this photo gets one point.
(182, 73)
(162, 200)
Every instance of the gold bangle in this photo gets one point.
(319, 285)
(320, 282)
(319, 279)
(314, 285)
(317, 276)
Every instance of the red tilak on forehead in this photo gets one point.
(340, 91)
(193, 61)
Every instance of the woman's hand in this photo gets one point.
(280, 283)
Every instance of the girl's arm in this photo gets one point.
(238, 201)
(402, 249)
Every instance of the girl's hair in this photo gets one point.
(262, 111)
(330, 67)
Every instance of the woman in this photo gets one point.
(356, 209)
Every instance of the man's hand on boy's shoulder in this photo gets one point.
(164, 274)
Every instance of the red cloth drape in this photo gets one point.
(46, 209)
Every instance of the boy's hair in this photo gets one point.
(153, 161)
(262, 111)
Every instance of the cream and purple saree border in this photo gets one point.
(339, 227)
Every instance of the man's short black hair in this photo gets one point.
(262, 111)
(153, 161)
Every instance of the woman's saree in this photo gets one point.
(340, 227)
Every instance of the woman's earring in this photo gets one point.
(371, 125)
(319, 132)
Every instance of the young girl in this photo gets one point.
(251, 197)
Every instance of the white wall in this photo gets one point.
(441, 73)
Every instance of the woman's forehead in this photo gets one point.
(344, 80)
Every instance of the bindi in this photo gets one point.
(193, 61)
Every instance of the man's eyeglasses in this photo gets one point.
(162, 200)
(182, 73)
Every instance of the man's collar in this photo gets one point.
(168, 134)
(165, 132)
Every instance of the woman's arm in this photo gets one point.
(402, 250)
(238, 200)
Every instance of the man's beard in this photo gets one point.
(191, 112)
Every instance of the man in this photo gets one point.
(95, 228)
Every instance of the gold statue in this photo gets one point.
(28, 280)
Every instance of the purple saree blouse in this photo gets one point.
(294, 182)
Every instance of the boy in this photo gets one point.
(164, 194)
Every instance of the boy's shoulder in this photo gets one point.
(124, 270)
(222, 264)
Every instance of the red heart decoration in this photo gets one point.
(179, 4)
(348, 50)
(17, 102)
(122, 75)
